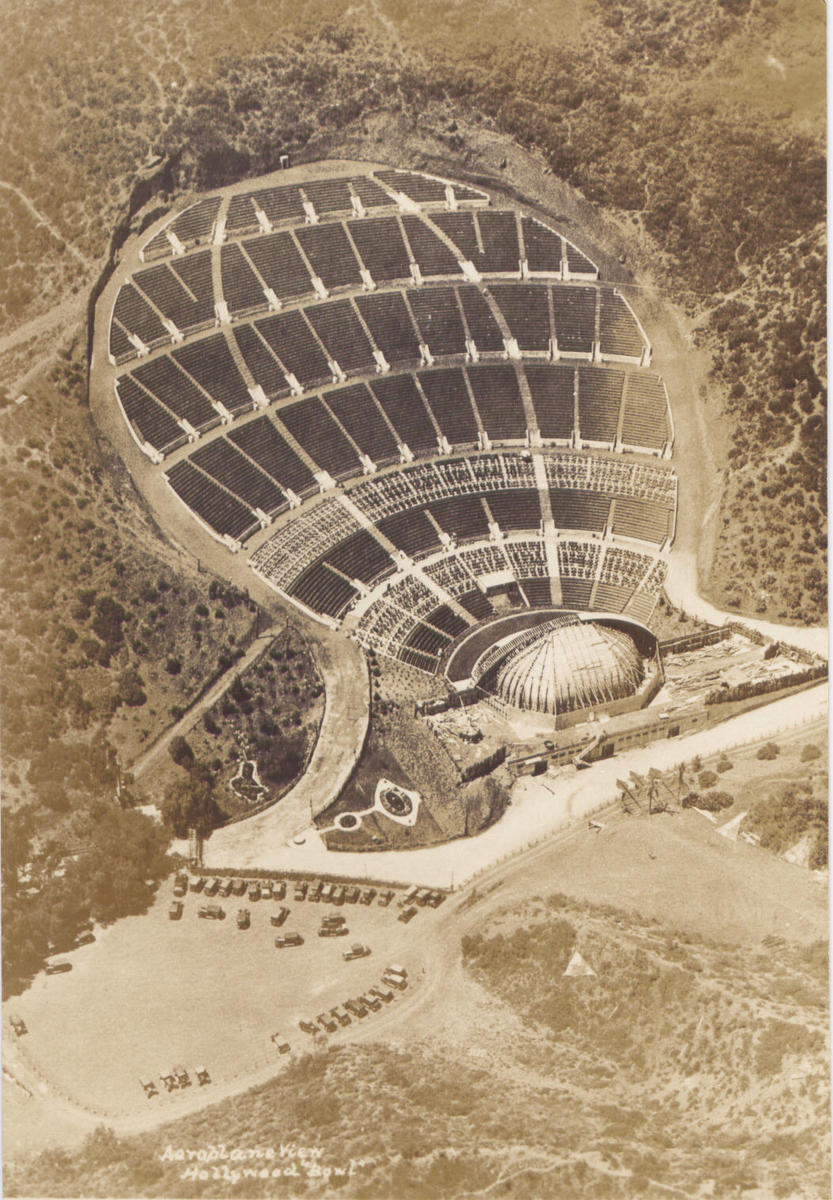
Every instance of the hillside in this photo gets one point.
(681, 1065)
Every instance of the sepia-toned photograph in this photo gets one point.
(413, 674)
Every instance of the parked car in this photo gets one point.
(395, 981)
(333, 919)
(180, 885)
(281, 1045)
(212, 887)
(149, 1088)
(197, 883)
(84, 939)
(356, 1008)
(357, 950)
(342, 1017)
(371, 1001)
(352, 894)
(314, 893)
(301, 890)
(266, 889)
(327, 1022)
(326, 893)
(384, 994)
(333, 931)
(18, 1024)
(202, 1076)
(278, 889)
(279, 917)
(386, 897)
(367, 896)
(183, 1079)
(408, 914)
(244, 919)
(169, 1081)
(338, 895)
(254, 891)
(409, 897)
(289, 939)
(308, 1027)
(397, 969)
(213, 912)
(175, 911)
(58, 968)
(225, 888)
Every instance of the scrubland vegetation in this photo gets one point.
(679, 1065)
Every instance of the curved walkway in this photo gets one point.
(681, 589)
(540, 807)
(254, 841)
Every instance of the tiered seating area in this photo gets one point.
(311, 425)
(265, 368)
(483, 329)
(619, 333)
(448, 398)
(527, 312)
(382, 249)
(295, 346)
(437, 315)
(356, 410)
(280, 265)
(263, 444)
(412, 533)
(516, 509)
(543, 248)
(553, 397)
(574, 317)
(242, 290)
(224, 462)
(401, 402)
(181, 290)
(645, 420)
(599, 401)
(191, 227)
(498, 399)
(389, 321)
(341, 334)
(164, 380)
(463, 517)
(153, 423)
(650, 522)
(579, 509)
(210, 363)
(431, 254)
(135, 315)
(431, 349)
(303, 541)
(330, 255)
(224, 513)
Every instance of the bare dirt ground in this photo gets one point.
(157, 975)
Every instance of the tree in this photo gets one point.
(190, 803)
(181, 752)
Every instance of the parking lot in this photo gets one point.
(153, 993)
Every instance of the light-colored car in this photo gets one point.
(357, 950)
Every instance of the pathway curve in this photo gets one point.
(247, 843)
(681, 589)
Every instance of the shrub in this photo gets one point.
(810, 752)
(768, 752)
(707, 779)
(181, 752)
(715, 801)
(173, 666)
(725, 764)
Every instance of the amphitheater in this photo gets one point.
(403, 401)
